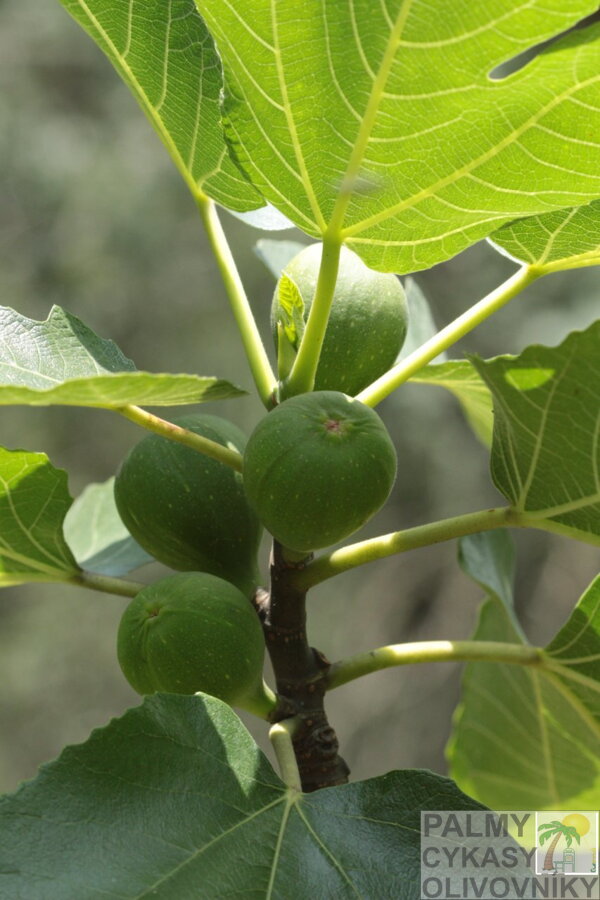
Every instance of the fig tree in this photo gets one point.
(194, 632)
(367, 322)
(317, 468)
(188, 510)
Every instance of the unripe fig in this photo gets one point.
(318, 467)
(194, 632)
(188, 510)
(367, 322)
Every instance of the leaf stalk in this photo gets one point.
(172, 432)
(302, 377)
(107, 584)
(256, 354)
(458, 328)
(364, 552)
(281, 735)
(431, 651)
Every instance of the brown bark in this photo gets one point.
(300, 675)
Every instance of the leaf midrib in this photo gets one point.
(369, 118)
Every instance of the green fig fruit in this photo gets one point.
(367, 322)
(194, 632)
(190, 511)
(317, 468)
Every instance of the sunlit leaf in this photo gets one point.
(566, 239)
(62, 362)
(34, 500)
(164, 53)
(380, 121)
(546, 450)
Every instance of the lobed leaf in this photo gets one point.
(528, 737)
(34, 500)
(381, 122)
(96, 535)
(61, 361)
(176, 800)
(164, 53)
(546, 450)
(566, 239)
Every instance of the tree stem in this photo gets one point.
(106, 583)
(190, 439)
(380, 389)
(300, 674)
(431, 651)
(302, 376)
(258, 360)
(359, 554)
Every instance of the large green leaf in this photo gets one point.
(163, 51)
(380, 120)
(528, 738)
(61, 361)
(461, 379)
(34, 499)
(175, 801)
(96, 535)
(546, 450)
(566, 239)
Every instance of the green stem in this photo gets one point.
(106, 583)
(359, 554)
(255, 352)
(431, 651)
(262, 703)
(302, 376)
(281, 736)
(380, 389)
(182, 436)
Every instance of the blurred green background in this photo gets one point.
(94, 217)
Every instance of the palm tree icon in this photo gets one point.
(573, 826)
